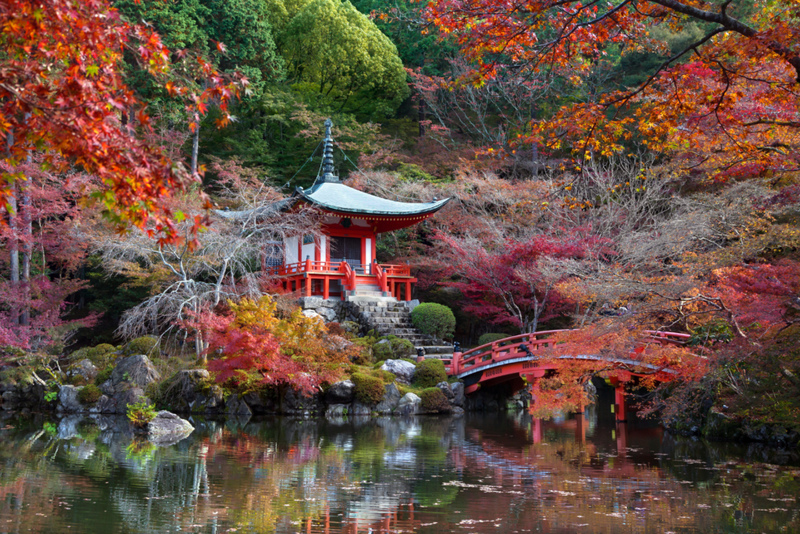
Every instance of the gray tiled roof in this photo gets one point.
(336, 196)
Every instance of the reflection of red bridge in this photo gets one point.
(517, 359)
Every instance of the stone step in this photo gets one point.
(438, 350)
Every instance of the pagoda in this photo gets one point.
(341, 261)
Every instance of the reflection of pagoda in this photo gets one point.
(342, 261)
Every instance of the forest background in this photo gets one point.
(614, 167)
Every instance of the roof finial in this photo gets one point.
(327, 157)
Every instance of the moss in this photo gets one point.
(147, 345)
(385, 376)
(434, 401)
(434, 319)
(369, 389)
(429, 373)
(103, 375)
(89, 394)
(100, 355)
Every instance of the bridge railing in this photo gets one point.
(528, 345)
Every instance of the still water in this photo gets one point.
(498, 473)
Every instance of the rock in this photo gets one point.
(448, 392)
(458, 394)
(310, 302)
(237, 406)
(260, 402)
(328, 314)
(106, 405)
(360, 409)
(210, 401)
(137, 369)
(84, 368)
(457, 411)
(337, 410)
(340, 393)
(408, 405)
(167, 428)
(311, 314)
(182, 391)
(107, 388)
(68, 400)
(390, 399)
(129, 395)
(295, 403)
(402, 369)
(411, 304)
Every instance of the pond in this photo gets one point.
(477, 473)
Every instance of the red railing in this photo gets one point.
(523, 344)
(336, 267)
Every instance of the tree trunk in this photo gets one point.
(195, 148)
(13, 224)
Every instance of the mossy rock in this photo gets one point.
(89, 394)
(429, 373)
(434, 401)
(99, 355)
(147, 345)
(368, 389)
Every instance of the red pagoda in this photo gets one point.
(341, 262)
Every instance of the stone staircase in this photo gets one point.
(387, 317)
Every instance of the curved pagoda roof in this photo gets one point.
(330, 194)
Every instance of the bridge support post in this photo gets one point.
(537, 430)
(620, 406)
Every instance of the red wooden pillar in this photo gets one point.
(408, 291)
(326, 287)
(537, 430)
(620, 408)
(455, 366)
(580, 428)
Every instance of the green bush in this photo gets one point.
(382, 351)
(89, 394)
(401, 348)
(386, 376)
(369, 389)
(141, 413)
(434, 320)
(103, 375)
(434, 401)
(99, 355)
(147, 345)
(491, 337)
(429, 373)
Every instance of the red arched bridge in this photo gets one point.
(517, 357)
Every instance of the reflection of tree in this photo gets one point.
(386, 474)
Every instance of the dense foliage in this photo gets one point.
(429, 372)
(434, 319)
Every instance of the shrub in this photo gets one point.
(103, 375)
(429, 373)
(89, 394)
(99, 355)
(141, 413)
(434, 401)
(491, 337)
(147, 345)
(382, 351)
(401, 348)
(368, 389)
(434, 320)
(386, 376)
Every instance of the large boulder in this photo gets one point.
(341, 392)
(447, 390)
(458, 394)
(85, 369)
(128, 395)
(336, 411)
(190, 391)
(296, 403)
(390, 400)
(237, 406)
(262, 402)
(408, 405)
(167, 428)
(68, 400)
(402, 369)
(360, 409)
(136, 369)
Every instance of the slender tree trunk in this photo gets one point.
(195, 148)
(13, 223)
(27, 245)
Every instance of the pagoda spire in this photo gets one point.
(327, 157)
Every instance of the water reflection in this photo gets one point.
(474, 474)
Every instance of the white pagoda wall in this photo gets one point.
(290, 254)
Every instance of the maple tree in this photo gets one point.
(723, 103)
(62, 94)
(252, 346)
